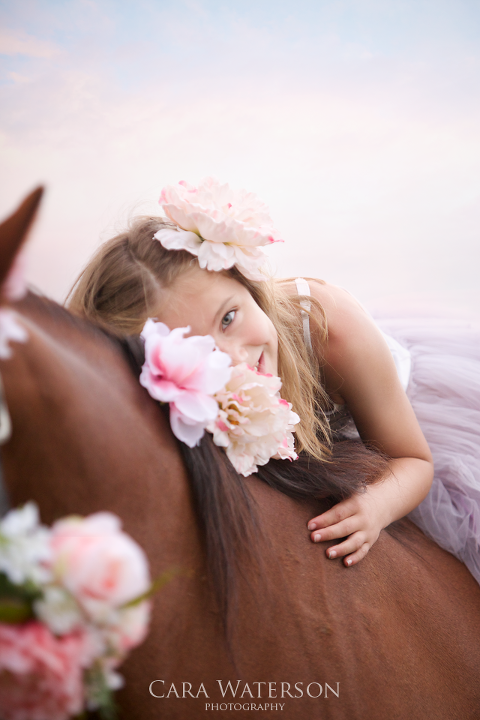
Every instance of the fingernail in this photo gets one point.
(349, 562)
(312, 526)
(332, 554)
(317, 537)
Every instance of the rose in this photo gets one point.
(184, 372)
(254, 423)
(222, 227)
(101, 566)
(41, 676)
(86, 581)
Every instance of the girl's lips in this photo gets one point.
(261, 364)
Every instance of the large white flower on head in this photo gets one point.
(254, 423)
(221, 226)
(184, 372)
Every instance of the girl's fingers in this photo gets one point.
(355, 557)
(341, 529)
(333, 516)
(353, 544)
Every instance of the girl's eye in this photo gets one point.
(228, 319)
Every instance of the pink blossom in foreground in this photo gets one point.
(184, 372)
(41, 676)
(254, 423)
(221, 226)
(101, 566)
(92, 581)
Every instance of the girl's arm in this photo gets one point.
(359, 370)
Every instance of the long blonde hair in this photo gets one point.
(120, 289)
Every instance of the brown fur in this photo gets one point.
(400, 632)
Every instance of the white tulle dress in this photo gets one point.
(438, 362)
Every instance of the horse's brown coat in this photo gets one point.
(400, 632)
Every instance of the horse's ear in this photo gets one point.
(14, 229)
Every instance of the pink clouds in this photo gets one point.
(20, 43)
(363, 157)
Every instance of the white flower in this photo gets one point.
(10, 331)
(221, 226)
(254, 423)
(126, 628)
(184, 372)
(59, 610)
(24, 546)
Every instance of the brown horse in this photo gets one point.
(397, 636)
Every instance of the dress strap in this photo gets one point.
(303, 288)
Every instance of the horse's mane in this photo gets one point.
(224, 505)
(222, 501)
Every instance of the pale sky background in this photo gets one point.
(357, 121)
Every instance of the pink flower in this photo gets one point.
(221, 226)
(41, 676)
(184, 372)
(254, 423)
(101, 566)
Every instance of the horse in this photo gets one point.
(396, 636)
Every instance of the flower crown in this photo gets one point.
(222, 227)
(241, 407)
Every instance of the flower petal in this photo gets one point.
(254, 423)
(172, 239)
(184, 429)
(236, 221)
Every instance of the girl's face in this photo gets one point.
(213, 303)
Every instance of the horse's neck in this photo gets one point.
(86, 436)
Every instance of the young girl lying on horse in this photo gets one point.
(202, 267)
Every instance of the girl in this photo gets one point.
(343, 377)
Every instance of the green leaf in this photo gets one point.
(28, 591)
(15, 611)
(100, 693)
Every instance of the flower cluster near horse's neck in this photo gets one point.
(240, 407)
(222, 227)
(73, 604)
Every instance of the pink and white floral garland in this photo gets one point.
(222, 227)
(72, 605)
(241, 407)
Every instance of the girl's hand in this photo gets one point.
(361, 518)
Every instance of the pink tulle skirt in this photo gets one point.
(444, 390)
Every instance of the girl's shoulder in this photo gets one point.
(346, 318)
(354, 353)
